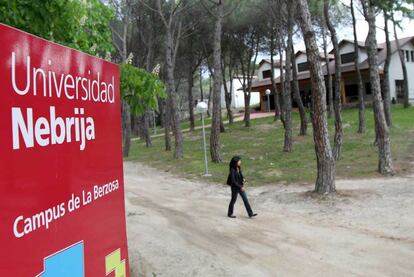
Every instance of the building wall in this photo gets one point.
(397, 74)
(237, 100)
(349, 48)
(302, 58)
(264, 67)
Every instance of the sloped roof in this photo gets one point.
(361, 44)
(321, 55)
(382, 55)
(276, 63)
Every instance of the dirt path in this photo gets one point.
(180, 228)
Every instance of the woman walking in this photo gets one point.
(236, 181)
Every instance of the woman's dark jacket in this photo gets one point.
(235, 178)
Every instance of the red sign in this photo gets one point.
(62, 207)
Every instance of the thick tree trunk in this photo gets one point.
(248, 93)
(190, 97)
(328, 73)
(296, 93)
(228, 92)
(406, 88)
(215, 150)
(287, 96)
(325, 182)
(338, 139)
(126, 119)
(201, 84)
(167, 125)
(171, 89)
(161, 107)
(247, 65)
(210, 90)
(141, 128)
(386, 81)
(282, 84)
(125, 111)
(247, 110)
(361, 98)
(272, 78)
(222, 128)
(146, 118)
(385, 166)
(228, 100)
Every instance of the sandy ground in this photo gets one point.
(180, 228)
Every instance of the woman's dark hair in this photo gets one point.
(234, 161)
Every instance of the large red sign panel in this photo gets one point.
(62, 207)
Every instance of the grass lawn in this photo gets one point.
(264, 162)
(186, 124)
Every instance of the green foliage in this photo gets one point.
(339, 13)
(140, 88)
(393, 6)
(83, 25)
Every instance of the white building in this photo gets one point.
(396, 74)
(349, 78)
(265, 70)
(237, 95)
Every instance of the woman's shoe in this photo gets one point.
(232, 216)
(252, 215)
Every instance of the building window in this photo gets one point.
(412, 56)
(407, 55)
(399, 91)
(267, 74)
(348, 58)
(303, 66)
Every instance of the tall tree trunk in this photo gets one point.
(361, 100)
(146, 115)
(126, 114)
(210, 90)
(386, 81)
(217, 77)
(190, 97)
(406, 87)
(325, 182)
(231, 88)
(146, 119)
(222, 128)
(328, 72)
(296, 93)
(126, 119)
(385, 166)
(339, 134)
(171, 89)
(201, 84)
(282, 83)
(248, 74)
(227, 93)
(247, 110)
(272, 78)
(167, 125)
(161, 107)
(287, 96)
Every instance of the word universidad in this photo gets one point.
(43, 131)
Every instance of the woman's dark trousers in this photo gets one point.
(234, 192)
